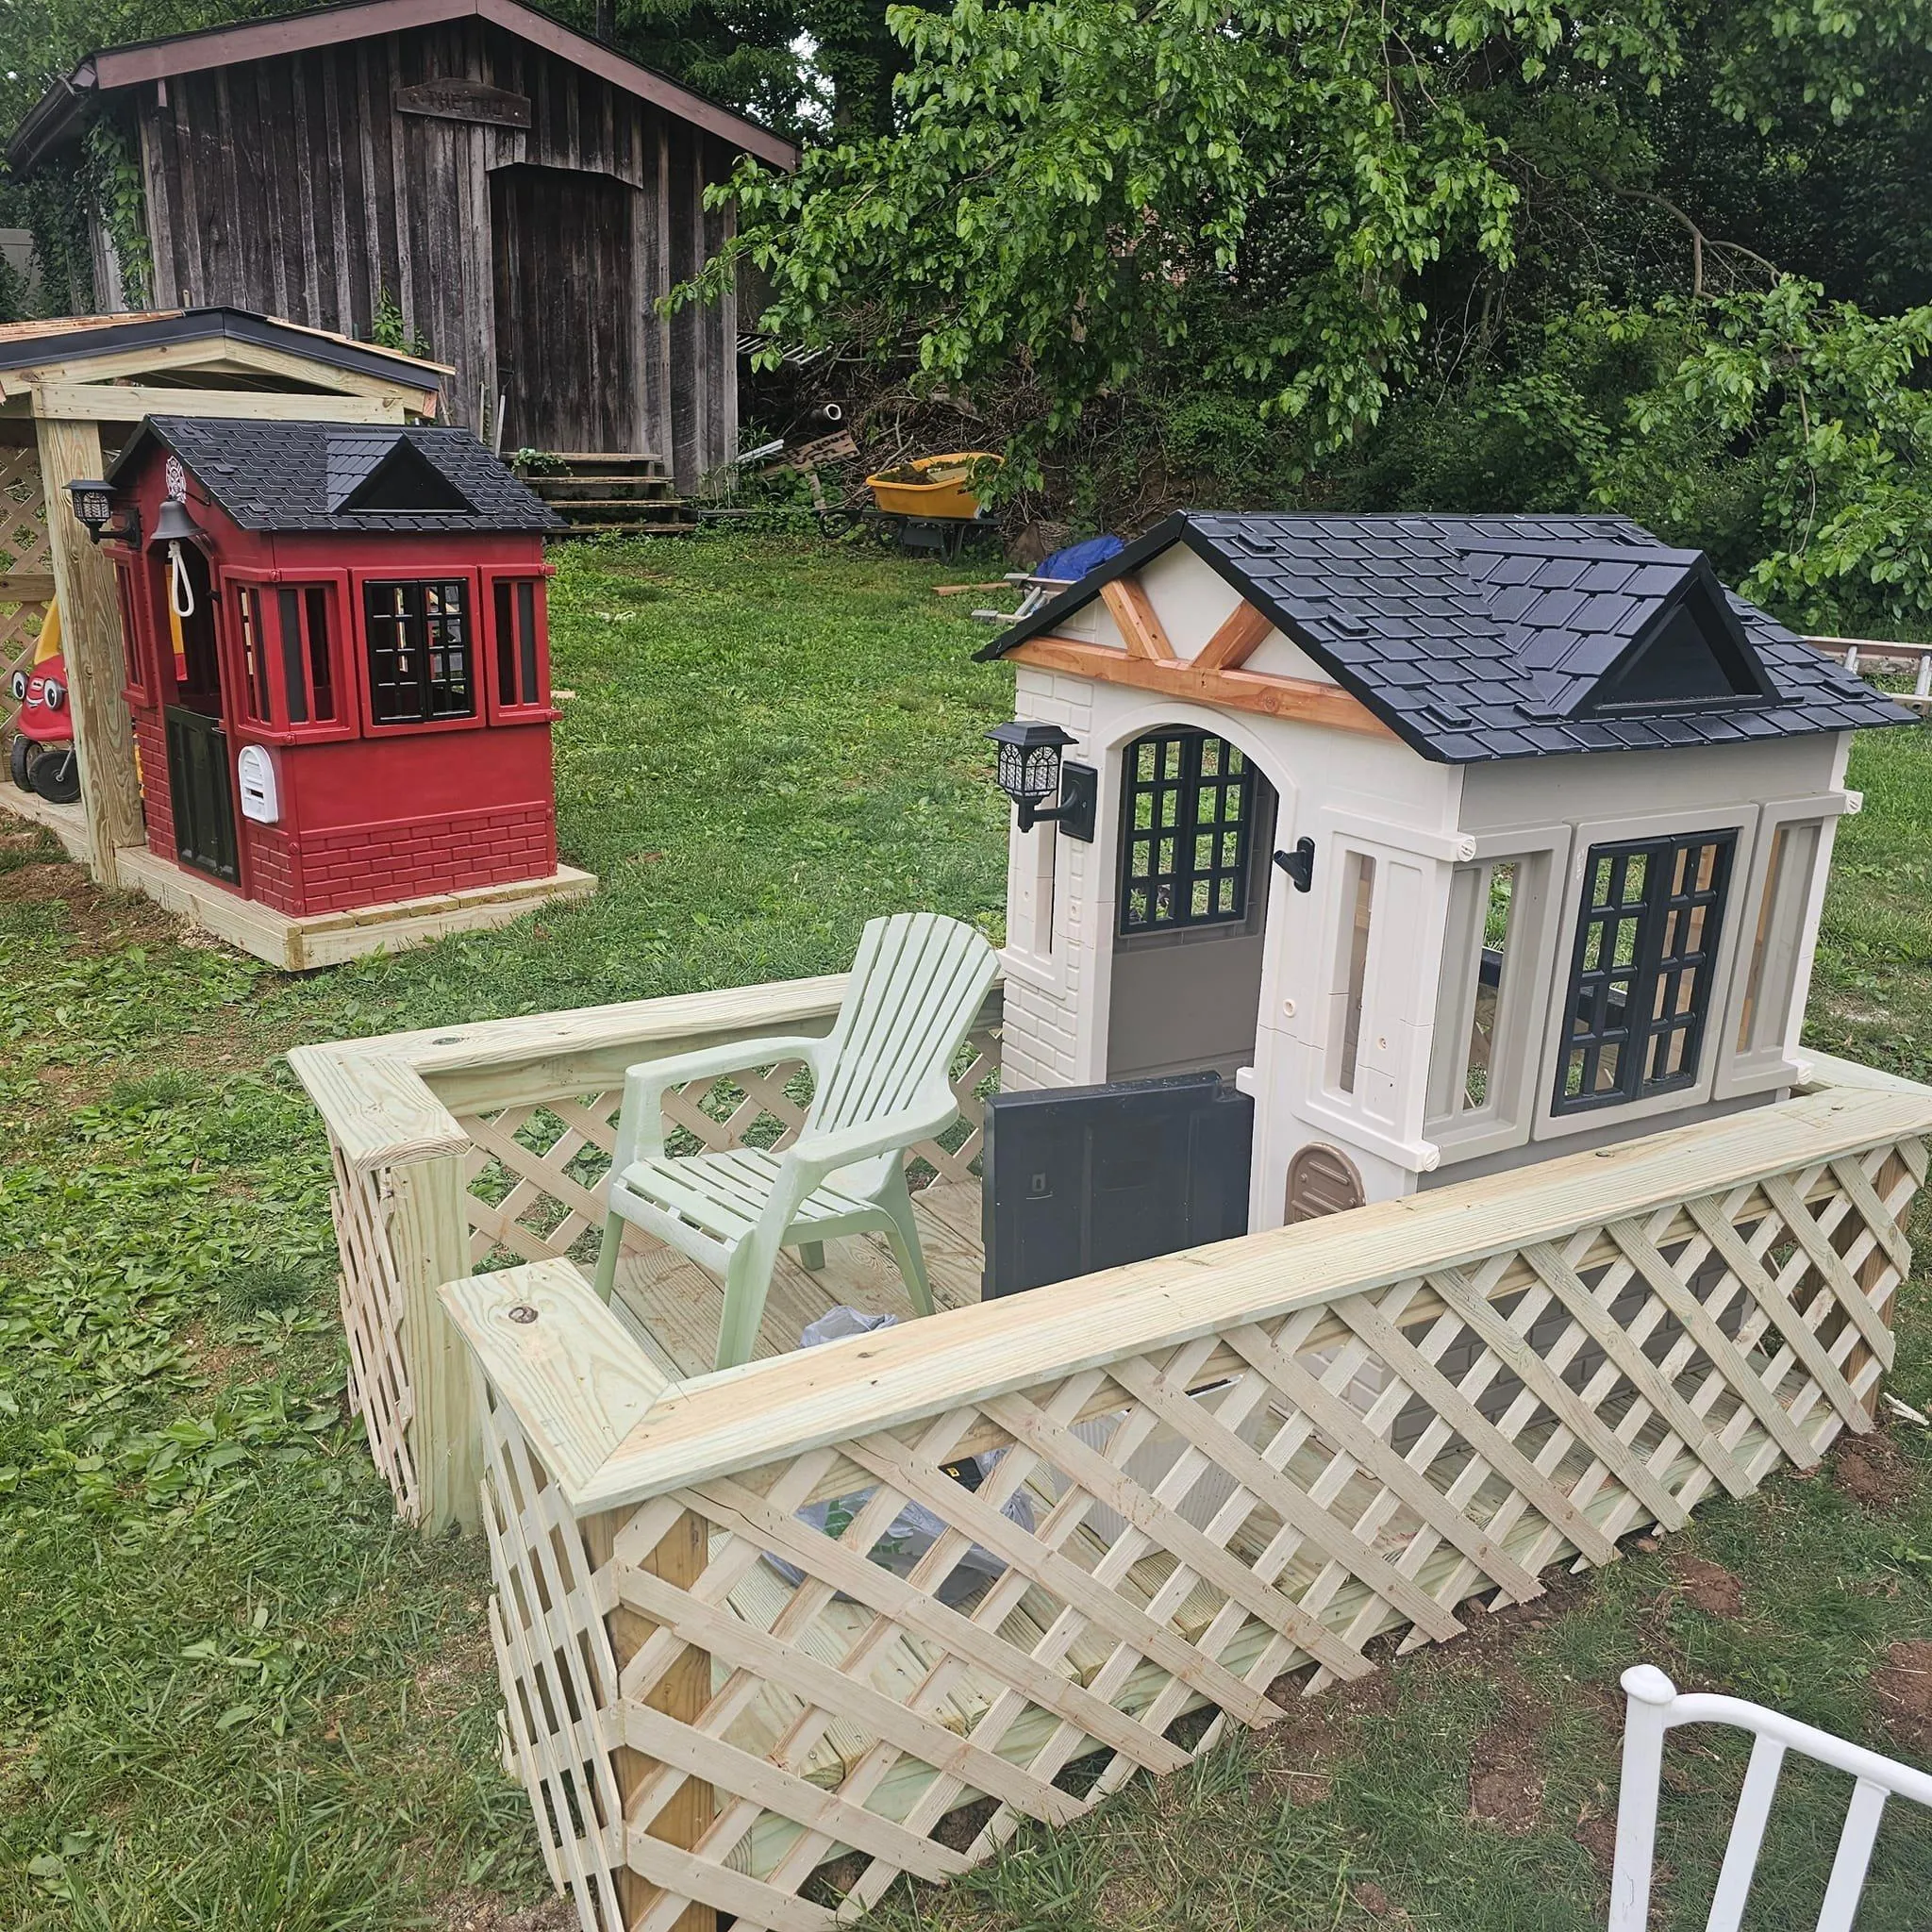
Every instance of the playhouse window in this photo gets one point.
(516, 612)
(1640, 976)
(254, 643)
(1778, 943)
(420, 658)
(308, 683)
(137, 680)
(1358, 905)
(1186, 816)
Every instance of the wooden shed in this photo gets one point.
(73, 394)
(519, 194)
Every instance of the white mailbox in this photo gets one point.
(255, 770)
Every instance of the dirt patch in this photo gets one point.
(1903, 1685)
(1505, 1788)
(1870, 1471)
(1598, 1835)
(87, 914)
(483, 1911)
(1708, 1587)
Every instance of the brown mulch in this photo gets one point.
(1708, 1587)
(1872, 1472)
(1903, 1685)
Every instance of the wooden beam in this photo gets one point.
(27, 588)
(193, 352)
(1233, 643)
(90, 641)
(128, 401)
(1139, 622)
(1238, 691)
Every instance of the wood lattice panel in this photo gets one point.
(533, 1170)
(1222, 1523)
(372, 1317)
(26, 551)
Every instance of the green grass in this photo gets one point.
(234, 1695)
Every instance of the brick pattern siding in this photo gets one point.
(151, 742)
(373, 865)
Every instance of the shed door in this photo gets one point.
(569, 312)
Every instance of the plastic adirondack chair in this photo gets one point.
(882, 1081)
(1655, 1705)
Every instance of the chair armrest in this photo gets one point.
(640, 1125)
(821, 1154)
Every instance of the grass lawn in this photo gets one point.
(234, 1695)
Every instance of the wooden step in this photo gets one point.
(664, 527)
(621, 510)
(565, 491)
(596, 463)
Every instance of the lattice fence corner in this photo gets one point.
(1219, 1525)
(532, 1172)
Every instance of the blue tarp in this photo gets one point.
(1076, 559)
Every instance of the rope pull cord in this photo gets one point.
(180, 589)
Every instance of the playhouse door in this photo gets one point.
(201, 793)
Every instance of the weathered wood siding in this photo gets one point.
(294, 187)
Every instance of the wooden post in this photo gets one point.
(430, 1240)
(682, 1692)
(90, 637)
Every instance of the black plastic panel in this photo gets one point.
(1079, 1178)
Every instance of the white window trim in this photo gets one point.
(1776, 1065)
(1399, 992)
(1506, 1118)
(1740, 818)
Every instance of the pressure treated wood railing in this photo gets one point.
(767, 1630)
(457, 1146)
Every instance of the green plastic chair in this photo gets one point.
(882, 1081)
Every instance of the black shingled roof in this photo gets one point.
(272, 475)
(1482, 638)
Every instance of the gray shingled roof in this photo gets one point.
(1480, 637)
(272, 475)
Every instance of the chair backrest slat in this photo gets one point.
(1655, 1707)
(917, 984)
(1747, 1836)
(1855, 1844)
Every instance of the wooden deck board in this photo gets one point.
(675, 1306)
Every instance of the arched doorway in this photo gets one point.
(1191, 910)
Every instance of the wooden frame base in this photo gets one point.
(326, 938)
(68, 822)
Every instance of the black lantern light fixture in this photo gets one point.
(1031, 772)
(93, 506)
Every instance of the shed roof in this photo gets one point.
(274, 476)
(79, 337)
(1483, 637)
(56, 115)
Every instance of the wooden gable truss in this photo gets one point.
(1216, 676)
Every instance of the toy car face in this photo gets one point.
(44, 705)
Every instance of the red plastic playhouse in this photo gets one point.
(337, 662)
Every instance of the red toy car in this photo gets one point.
(41, 757)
